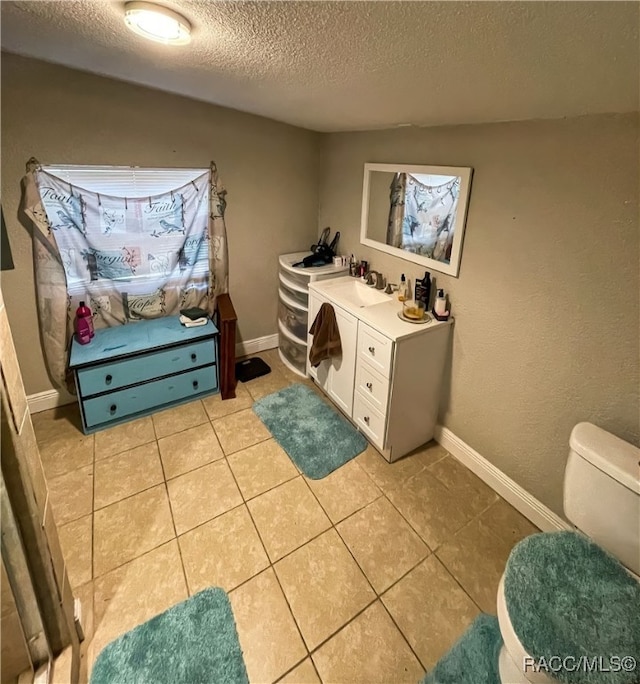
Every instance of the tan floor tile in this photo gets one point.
(223, 552)
(383, 543)
(431, 610)
(62, 422)
(476, 558)
(189, 450)
(272, 357)
(267, 384)
(469, 487)
(344, 491)
(433, 511)
(510, 525)
(202, 494)
(61, 455)
(76, 542)
(179, 418)
(270, 642)
(217, 408)
(369, 650)
(305, 673)
(71, 495)
(287, 517)
(129, 528)
(390, 475)
(240, 430)
(136, 592)
(124, 437)
(261, 467)
(125, 474)
(324, 587)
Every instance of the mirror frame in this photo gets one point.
(465, 173)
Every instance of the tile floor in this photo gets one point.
(368, 575)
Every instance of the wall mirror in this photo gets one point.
(417, 213)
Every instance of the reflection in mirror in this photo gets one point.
(416, 212)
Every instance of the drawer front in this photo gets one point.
(294, 352)
(297, 296)
(294, 319)
(116, 374)
(144, 397)
(301, 278)
(372, 385)
(369, 420)
(375, 349)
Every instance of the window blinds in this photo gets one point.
(124, 181)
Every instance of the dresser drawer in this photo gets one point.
(115, 374)
(369, 420)
(375, 348)
(117, 405)
(372, 385)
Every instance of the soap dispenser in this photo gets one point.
(440, 305)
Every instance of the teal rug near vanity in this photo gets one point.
(194, 641)
(316, 437)
(473, 659)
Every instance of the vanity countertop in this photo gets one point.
(382, 316)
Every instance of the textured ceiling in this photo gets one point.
(335, 66)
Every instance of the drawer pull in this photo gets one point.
(112, 409)
(108, 379)
(366, 419)
(193, 357)
(195, 384)
(370, 386)
(372, 350)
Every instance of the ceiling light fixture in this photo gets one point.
(157, 23)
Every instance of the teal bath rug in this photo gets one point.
(316, 437)
(473, 659)
(195, 641)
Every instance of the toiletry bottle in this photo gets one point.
(423, 290)
(83, 331)
(403, 293)
(440, 306)
(85, 312)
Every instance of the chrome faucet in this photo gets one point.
(375, 279)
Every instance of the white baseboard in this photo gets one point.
(257, 345)
(517, 496)
(43, 401)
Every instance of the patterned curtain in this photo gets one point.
(396, 210)
(128, 258)
(429, 218)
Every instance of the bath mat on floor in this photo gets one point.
(473, 659)
(316, 437)
(195, 641)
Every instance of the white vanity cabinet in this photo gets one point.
(388, 381)
(337, 376)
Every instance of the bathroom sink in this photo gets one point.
(356, 294)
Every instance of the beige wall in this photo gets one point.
(61, 115)
(547, 301)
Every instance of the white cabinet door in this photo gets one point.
(320, 373)
(343, 368)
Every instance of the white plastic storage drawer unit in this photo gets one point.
(293, 307)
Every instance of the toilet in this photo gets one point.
(572, 594)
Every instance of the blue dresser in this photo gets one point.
(136, 369)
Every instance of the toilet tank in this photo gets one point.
(602, 491)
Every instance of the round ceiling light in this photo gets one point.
(157, 23)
